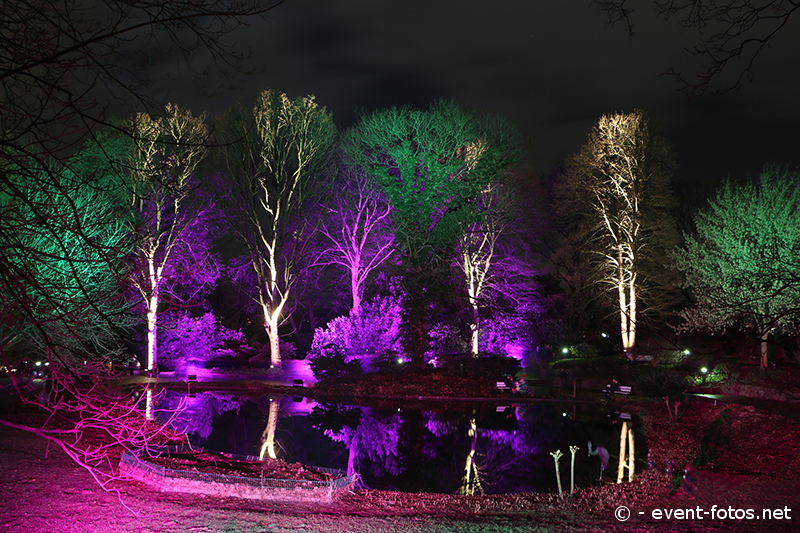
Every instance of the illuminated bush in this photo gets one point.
(192, 342)
(375, 331)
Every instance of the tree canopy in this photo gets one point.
(743, 263)
(433, 165)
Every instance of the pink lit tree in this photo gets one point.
(357, 231)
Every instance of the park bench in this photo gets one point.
(502, 386)
(620, 389)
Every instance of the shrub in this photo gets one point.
(375, 331)
(191, 341)
(329, 364)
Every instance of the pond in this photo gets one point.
(448, 447)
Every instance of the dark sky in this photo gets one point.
(553, 67)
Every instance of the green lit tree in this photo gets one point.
(743, 263)
(433, 165)
(615, 201)
(62, 64)
(272, 156)
(62, 258)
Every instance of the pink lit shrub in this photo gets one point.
(189, 343)
(374, 331)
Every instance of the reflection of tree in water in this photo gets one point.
(370, 436)
(200, 410)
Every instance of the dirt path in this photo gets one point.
(42, 490)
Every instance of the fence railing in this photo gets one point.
(138, 460)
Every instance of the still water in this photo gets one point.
(449, 448)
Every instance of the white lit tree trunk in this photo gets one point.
(167, 150)
(271, 180)
(475, 263)
(626, 288)
(268, 436)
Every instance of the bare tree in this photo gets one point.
(272, 158)
(358, 231)
(167, 150)
(735, 32)
(616, 197)
(61, 63)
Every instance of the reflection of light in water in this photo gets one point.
(268, 437)
(148, 406)
(471, 481)
(626, 457)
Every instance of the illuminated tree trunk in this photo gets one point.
(477, 253)
(474, 326)
(626, 288)
(471, 482)
(631, 455)
(152, 315)
(271, 323)
(764, 350)
(268, 437)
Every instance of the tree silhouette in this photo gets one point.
(734, 34)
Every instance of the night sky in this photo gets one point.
(553, 68)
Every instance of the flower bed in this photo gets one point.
(229, 475)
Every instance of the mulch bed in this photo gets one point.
(225, 464)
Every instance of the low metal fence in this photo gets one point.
(137, 462)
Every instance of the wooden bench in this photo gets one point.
(625, 390)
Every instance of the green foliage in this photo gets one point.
(662, 383)
(583, 350)
(743, 263)
(62, 256)
(432, 165)
(329, 364)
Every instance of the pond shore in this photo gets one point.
(757, 467)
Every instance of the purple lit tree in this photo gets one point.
(272, 155)
(357, 229)
(376, 439)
